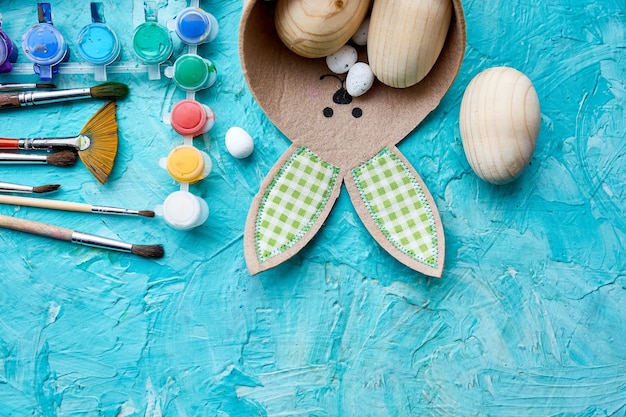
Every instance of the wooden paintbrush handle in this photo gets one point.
(9, 100)
(36, 228)
(45, 203)
(8, 143)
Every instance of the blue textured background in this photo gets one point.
(528, 319)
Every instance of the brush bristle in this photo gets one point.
(146, 213)
(46, 188)
(109, 91)
(62, 158)
(102, 132)
(148, 251)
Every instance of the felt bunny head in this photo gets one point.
(337, 138)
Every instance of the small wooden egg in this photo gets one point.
(238, 142)
(315, 29)
(405, 39)
(499, 123)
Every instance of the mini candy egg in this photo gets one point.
(360, 36)
(238, 142)
(342, 60)
(359, 80)
(499, 123)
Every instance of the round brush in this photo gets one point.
(7, 187)
(108, 91)
(64, 158)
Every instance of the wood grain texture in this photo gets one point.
(315, 29)
(499, 123)
(405, 39)
(36, 228)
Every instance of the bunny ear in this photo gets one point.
(294, 200)
(396, 207)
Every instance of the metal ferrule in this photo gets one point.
(78, 143)
(20, 158)
(112, 210)
(30, 98)
(15, 188)
(100, 242)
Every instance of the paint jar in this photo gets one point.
(195, 26)
(191, 118)
(182, 210)
(8, 51)
(191, 72)
(187, 164)
(151, 42)
(45, 45)
(97, 43)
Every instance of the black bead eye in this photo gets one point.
(357, 112)
(328, 112)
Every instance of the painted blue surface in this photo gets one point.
(528, 319)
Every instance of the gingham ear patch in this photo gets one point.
(396, 202)
(293, 202)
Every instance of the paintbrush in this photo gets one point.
(7, 187)
(96, 144)
(70, 206)
(109, 91)
(68, 235)
(23, 86)
(60, 159)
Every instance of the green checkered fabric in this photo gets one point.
(293, 202)
(397, 204)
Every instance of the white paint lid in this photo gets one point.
(182, 210)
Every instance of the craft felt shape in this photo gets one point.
(338, 139)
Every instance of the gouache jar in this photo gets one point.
(97, 43)
(195, 26)
(191, 118)
(182, 210)
(152, 43)
(45, 45)
(187, 164)
(191, 72)
(8, 52)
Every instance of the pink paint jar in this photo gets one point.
(191, 118)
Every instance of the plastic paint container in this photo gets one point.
(191, 118)
(151, 42)
(191, 72)
(183, 210)
(97, 43)
(45, 45)
(195, 26)
(8, 51)
(187, 164)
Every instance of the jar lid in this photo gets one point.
(188, 117)
(152, 43)
(98, 44)
(193, 25)
(185, 164)
(44, 45)
(190, 71)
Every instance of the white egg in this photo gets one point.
(360, 36)
(499, 123)
(342, 60)
(239, 143)
(360, 79)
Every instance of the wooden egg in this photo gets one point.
(405, 39)
(499, 123)
(314, 28)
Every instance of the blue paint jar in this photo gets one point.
(97, 43)
(195, 26)
(45, 45)
(8, 51)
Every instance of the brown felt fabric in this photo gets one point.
(289, 90)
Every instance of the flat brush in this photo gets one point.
(23, 86)
(109, 91)
(60, 159)
(70, 206)
(7, 187)
(68, 235)
(96, 143)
